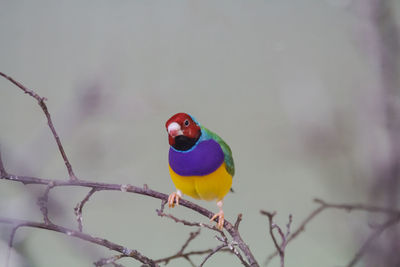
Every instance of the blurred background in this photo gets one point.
(306, 93)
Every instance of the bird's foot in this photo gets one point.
(220, 220)
(174, 199)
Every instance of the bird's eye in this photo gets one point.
(186, 122)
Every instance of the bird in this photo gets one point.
(200, 163)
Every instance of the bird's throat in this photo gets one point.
(184, 143)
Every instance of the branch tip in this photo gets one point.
(238, 220)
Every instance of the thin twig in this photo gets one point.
(351, 207)
(238, 220)
(270, 216)
(42, 104)
(110, 260)
(284, 237)
(192, 236)
(166, 260)
(287, 231)
(79, 207)
(300, 229)
(187, 223)
(215, 250)
(181, 254)
(10, 244)
(223, 238)
(43, 203)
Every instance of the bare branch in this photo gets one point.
(271, 228)
(69, 232)
(142, 191)
(231, 245)
(238, 220)
(2, 169)
(346, 207)
(192, 236)
(300, 229)
(110, 260)
(185, 255)
(43, 201)
(361, 207)
(237, 253)
(379, 230)
(73, 181)
(288, 230)
(215, 250)
(79, 207)
(187, 223)
(42, 104)
(284, 237)
(181, 254)
(10, 244)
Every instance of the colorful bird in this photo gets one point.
(200, 163)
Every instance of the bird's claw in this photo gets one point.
(173, 199)
(220, 220)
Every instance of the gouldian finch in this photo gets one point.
(200, 163)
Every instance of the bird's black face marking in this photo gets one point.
(184, 143)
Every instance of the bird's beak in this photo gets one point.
(174, 129)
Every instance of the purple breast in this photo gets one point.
(205, 158)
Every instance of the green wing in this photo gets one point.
(230, 165)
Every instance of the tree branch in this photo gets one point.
(110, 260)
(280, 249)
(95, 186)
(270, 216)
(42, 104)
(215, 250)
(2, 169)
(181, 254)
(231, 245)
(346, 207)
(60, 229)
(43, 201)
(392, 221)
(79, 207)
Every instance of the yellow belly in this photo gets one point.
(213, 186)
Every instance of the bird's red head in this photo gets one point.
(183, 131)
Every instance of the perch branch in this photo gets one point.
(142, 191)
(223, 237)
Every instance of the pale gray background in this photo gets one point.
(283, 82)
